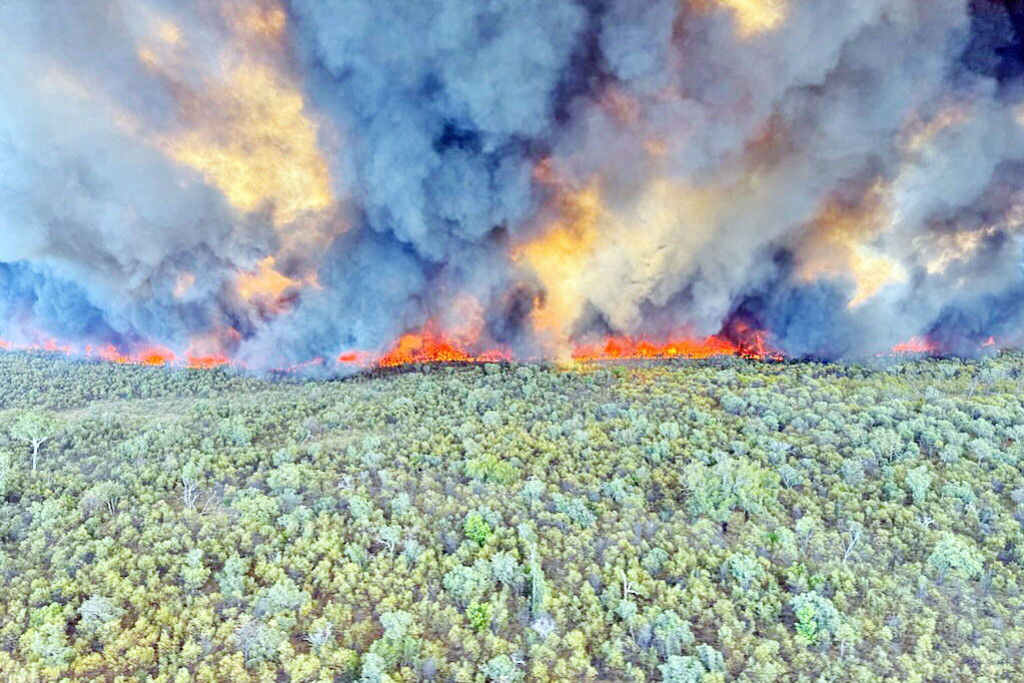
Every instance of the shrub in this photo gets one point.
(728, 485)
(360, 508)
(953, 554)
(533, 490)
(258, 641)
(575, 509)
(815, 616)
(919, 480)
(479, 615)
(671, 633)
(653, 560)
(502, 669)
(467, 584)
(396, 645)
(46, 639)
(97, 612)
(231, 578)
(283, 596)
(682, 670)
(743, 568)
(193, 572)
(490, 468)
(475, 528)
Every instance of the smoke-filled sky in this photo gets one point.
(283, 181)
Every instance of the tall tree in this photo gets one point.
(36, 428)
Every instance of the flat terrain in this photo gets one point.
(724, 520)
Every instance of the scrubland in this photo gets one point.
(722, 520)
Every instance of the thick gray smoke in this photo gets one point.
(287, 181)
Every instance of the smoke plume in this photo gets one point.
(280, 182)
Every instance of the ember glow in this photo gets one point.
(307, 186)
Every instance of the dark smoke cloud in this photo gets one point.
(439, 101)
(719, 142)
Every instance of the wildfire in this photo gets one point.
(209, 350)
(628, 348)
(355, 358)
(149, 355)
(208, 362)
(152, 355)
(155, 356)
(427, 346)
(592, 244)
(432, 346)
(53, 345)
(560, 257)
(916, 344)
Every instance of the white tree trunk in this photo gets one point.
(36, 443)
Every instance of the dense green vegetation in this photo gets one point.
(717, 521)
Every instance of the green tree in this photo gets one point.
(954, 554)
(728, 485)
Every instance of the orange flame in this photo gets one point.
(355, 358)
(155, 355)
(628, 348)
(54, 345)
(208, 362)
(208, 351)
(750, 344)
(916, 344)
(149, 355)
(427, 346)
(435, 347)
